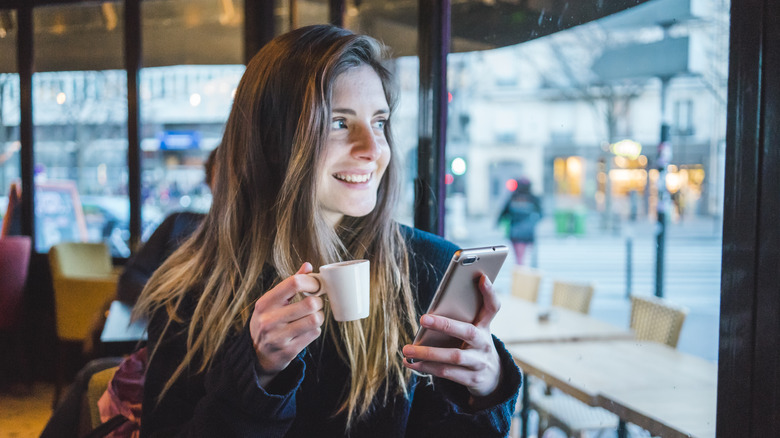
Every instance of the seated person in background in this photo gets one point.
(305, 178)
(174, 230)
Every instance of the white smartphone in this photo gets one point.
(458, 296)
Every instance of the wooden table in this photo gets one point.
(518, 322)
(669, 393)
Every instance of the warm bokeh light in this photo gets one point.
(626, 148)
(511, 185)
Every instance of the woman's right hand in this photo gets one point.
(280, 328)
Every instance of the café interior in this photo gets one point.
(583, 376)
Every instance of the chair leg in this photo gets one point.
(23, 361)
(59, 373)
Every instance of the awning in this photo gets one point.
(88, 36)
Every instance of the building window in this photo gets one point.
(683, 117)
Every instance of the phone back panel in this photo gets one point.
(458, 296)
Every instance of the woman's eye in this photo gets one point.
(338, 124)
(380, 124)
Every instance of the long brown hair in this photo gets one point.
(265, 212)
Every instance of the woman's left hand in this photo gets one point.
(475, 364)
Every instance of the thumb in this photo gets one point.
(305, 268)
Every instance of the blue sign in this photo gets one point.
(179, 140)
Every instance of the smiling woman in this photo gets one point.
(305, 178)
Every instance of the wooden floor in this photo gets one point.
(23, 412)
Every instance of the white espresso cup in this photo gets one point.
(348, 286)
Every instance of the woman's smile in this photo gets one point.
(354, 178)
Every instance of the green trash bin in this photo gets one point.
(562, 221)
(578, 223)
(569, 222)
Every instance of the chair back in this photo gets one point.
(80, 259)
(83, 282)
(654, 319)
(525, 283)
(572, 296)
(14, 266)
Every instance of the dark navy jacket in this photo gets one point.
(227, 401)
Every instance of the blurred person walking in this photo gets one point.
(523, 211)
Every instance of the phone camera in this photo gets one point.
(469, 260)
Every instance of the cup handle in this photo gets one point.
(319, 292)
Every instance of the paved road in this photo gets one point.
(692, 270)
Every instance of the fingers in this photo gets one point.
(294, 335)
(454, 356)
(289, 287)
(475, 365)
(490, 303)
(458, 329)
(458, 374)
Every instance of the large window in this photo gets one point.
(578, 114)
(616, 127)
(194, 54)
(80, 116)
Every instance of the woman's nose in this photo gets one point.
(365, 144)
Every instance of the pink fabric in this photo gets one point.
(124, 395)
(14, 265)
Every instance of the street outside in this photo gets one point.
(692, 270)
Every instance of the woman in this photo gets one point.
(305, 179)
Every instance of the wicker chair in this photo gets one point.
(652, 319)
(525, 283)
(572, 296)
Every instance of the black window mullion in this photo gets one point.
(433, 46)
(337, 8)
(132, 43)
(748, 377)
(24, 53)
(258, 26)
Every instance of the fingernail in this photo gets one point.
(426, 320)
(408, 350)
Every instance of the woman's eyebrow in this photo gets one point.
(353, 113)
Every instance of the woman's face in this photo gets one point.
(356, 150)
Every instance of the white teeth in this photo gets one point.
(353, 178)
